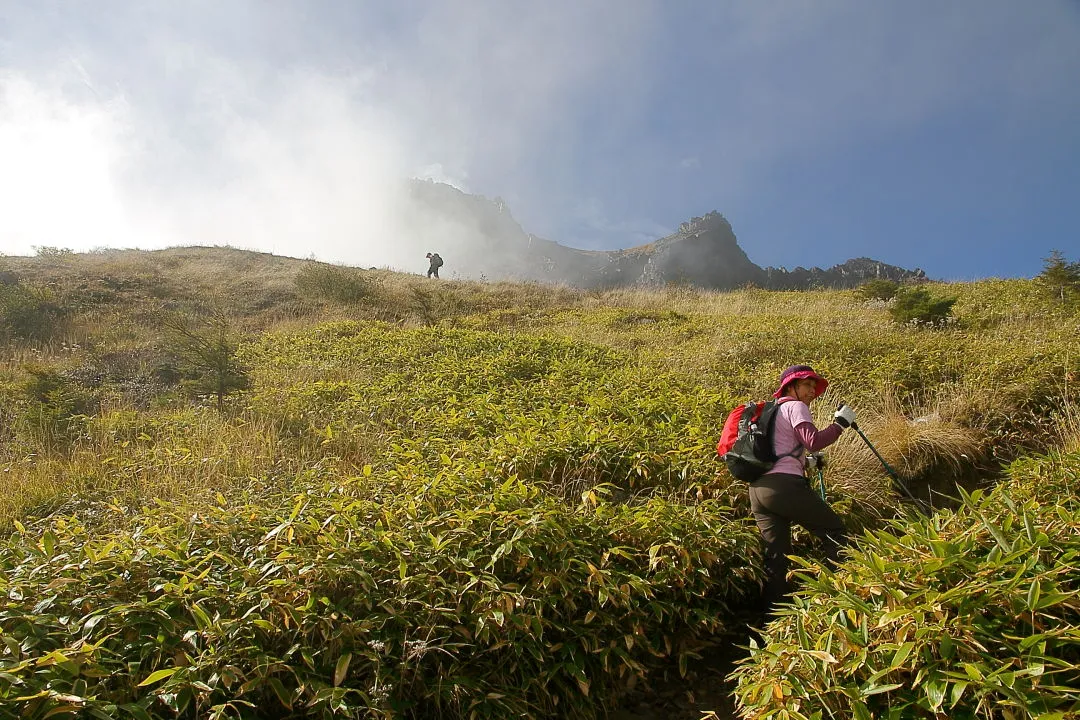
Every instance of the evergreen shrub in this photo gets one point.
(878, 290)
(919, 307)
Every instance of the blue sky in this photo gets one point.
(944, 136)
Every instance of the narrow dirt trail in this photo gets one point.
(707, 689)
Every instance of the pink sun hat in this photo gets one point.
(799, 372)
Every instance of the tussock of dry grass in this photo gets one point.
(918, 443)
(1068, 424)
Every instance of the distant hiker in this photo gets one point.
(436, 262)
(782, 495)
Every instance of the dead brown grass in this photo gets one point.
(1068, 424)
(921, 444)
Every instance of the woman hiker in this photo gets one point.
(782, 496)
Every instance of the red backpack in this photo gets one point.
(746, 444)
(731, 426)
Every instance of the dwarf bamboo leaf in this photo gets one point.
(157, 676)
(341, 668)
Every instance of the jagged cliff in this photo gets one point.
(850, 274)
(703, 252)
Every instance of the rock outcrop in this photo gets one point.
(852, 273)
(703, 253)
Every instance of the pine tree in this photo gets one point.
(208, 344)
(1059, 276)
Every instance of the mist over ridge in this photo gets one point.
(480, 238)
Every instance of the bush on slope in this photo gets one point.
(449, 594)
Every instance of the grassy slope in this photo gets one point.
(588, 416)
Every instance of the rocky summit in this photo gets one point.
(485, 241)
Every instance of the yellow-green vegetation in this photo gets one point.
(243, 486)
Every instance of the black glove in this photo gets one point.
(815, 461)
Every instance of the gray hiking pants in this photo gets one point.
(778, 500)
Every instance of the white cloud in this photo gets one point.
(437, 173)
(284, 137)
(302, 170)
(59, 165)
(311, 171)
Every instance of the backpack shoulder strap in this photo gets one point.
(773, 408)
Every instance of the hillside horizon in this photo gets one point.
(480, 239)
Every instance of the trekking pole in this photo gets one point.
(821, 482)
(888, 469)
(873, 449)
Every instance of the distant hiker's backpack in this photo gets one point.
(436, 260)
(746, 444)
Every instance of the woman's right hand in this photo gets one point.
(844, 416)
